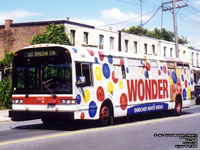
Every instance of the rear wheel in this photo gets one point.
(178, 108)
(106, 115)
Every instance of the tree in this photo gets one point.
(156, 33)
(6, 83)
(54, 34)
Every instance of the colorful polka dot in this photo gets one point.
(96, 59)
(92, 109)
(90, 52)
(121, 84)
(82, 115)
(182, 77)
(106, 71)
(115, 80)
(184, 94)
(101, 56)
(86, 95)
(148, 67)
(123, 101)
(164, 69)
(78, 99)
(110, 87)
(174, 77)
(110, 59)
(75, 50)
(146, 74)
(159, 72)
(189, 93)
(98, 73)
(100, 94)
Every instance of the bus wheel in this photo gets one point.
(106, 115)
(178, 108)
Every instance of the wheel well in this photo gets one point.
(108, 103)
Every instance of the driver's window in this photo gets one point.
(84, 70)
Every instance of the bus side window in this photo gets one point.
(123, 72)
(84, 70)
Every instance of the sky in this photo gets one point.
(116, 14)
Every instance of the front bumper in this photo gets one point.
(18, 115)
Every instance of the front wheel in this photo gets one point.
(106, 115)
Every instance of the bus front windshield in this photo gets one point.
(42, 71)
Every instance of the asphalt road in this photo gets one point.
(159, 131)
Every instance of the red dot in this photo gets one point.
(121, 62)
(159, 72)
(82, 115)
(191, 71)
(115, 80)
(100, 94)
(123, 101)
(101, 56)
(148, 67)
(184, 71)
(186, 84)
(179, 88)
(91, 52)
(164, 69)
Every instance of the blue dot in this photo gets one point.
(141, 62)
(184, 94)
(110, 59)
(174, 77)
(168, 73)
(78, 99)
(106, 71)
(161, 68)
(96, 59)
(191, 81)
(92, 109)
(182, 77)
(146, 74)
(75, 50)
(127, 70)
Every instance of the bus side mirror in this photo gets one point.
(81, 80)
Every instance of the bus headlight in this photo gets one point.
(68, 101)
(17, 101)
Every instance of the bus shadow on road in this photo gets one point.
(87, 124)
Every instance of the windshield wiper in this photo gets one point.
(44, 83)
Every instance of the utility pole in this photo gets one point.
(173, 8)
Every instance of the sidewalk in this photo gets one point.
(4, 116)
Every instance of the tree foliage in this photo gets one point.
(54, 34)
(6, 83)
(156, 33)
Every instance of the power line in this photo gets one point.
(112, 24)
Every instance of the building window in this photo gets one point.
(164, 51)
(111, 43)
(72, 33)
(126, 45)
(85, 38)
(145, 48)
(197, 60)
(153, 49)
(192, 58)
(135, 46)
(101, 38)
(171, 52)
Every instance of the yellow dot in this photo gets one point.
(178, 73)
(170, 81)
(121, 84)
(142, 71)
(110, 87)
(86, 95)
(189, 93)
(188, 77)
(98, 73)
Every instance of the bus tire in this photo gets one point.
(106, 115)
(178, 107)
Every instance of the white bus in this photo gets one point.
(55, 82)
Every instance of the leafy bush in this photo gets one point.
(5, 93)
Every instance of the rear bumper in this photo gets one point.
(17, 115)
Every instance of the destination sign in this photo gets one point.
(40, 53)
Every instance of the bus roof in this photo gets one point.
(91, 54)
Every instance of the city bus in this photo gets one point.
(59, 82)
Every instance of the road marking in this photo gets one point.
(96, 129)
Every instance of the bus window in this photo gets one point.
(84, 70)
